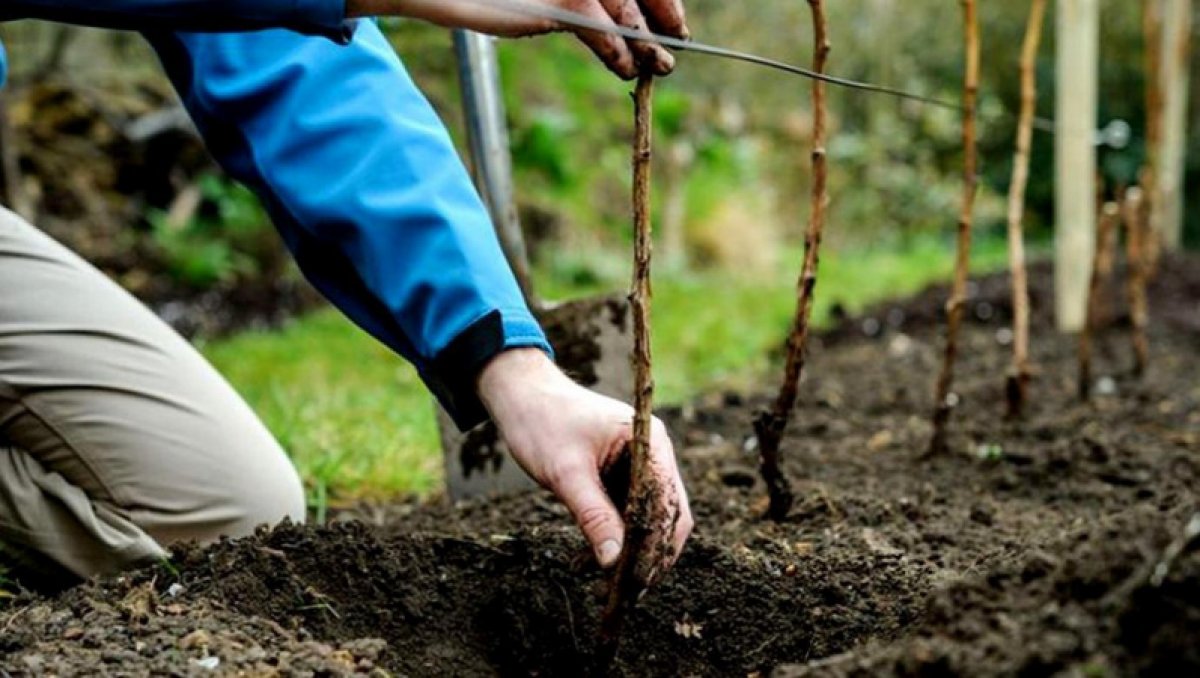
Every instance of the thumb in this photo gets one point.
(594, 512)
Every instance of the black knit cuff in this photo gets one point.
(454, 371)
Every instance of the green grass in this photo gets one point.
(719, 332)
(355, 417)
(359, 423)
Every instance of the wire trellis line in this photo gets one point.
(1114, 135)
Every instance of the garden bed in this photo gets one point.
(1027, 550)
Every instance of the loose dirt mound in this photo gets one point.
(1090, 607)
(1029, 550)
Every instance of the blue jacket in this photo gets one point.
(321, 120)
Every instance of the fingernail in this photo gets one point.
(609, 551)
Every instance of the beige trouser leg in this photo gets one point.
(116, 437)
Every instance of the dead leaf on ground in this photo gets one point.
(881, 441)
(343, 657)
(140, 603)
(688, 628)
(196, 639)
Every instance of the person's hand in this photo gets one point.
(565, 436)
(623, 57)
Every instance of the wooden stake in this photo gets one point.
(770, 426)
(1136, 231)
(1077, 47)
(1018, 379)
(1102, 265)
(641, 559)
(1175, 78)
(955, 308)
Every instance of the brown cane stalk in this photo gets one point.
(1018, 379)
(1102, 265)
(770, 426)
(1108, 262)
(955, 307)
(638, 562)
(1137, 255)
(1152, 32)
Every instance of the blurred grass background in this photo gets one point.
(359, 423)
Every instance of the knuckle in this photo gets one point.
(593, 517)
(630, 16)
(560, 473)
(614, 53)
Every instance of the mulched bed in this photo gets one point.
(1030, 550)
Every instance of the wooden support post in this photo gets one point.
(1175, 85)
(1078, 40)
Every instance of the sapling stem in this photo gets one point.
(956, 306)
(770, 426)
(643, 513)
(1102, 265)
(1152, 33)
(1018, 379)
(1137, 254)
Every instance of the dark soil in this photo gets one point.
(1031, 549)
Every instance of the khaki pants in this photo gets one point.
(116, 437)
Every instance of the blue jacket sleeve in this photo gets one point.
(366, 188)
(319, 17)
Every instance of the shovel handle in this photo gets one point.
(491, 158)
